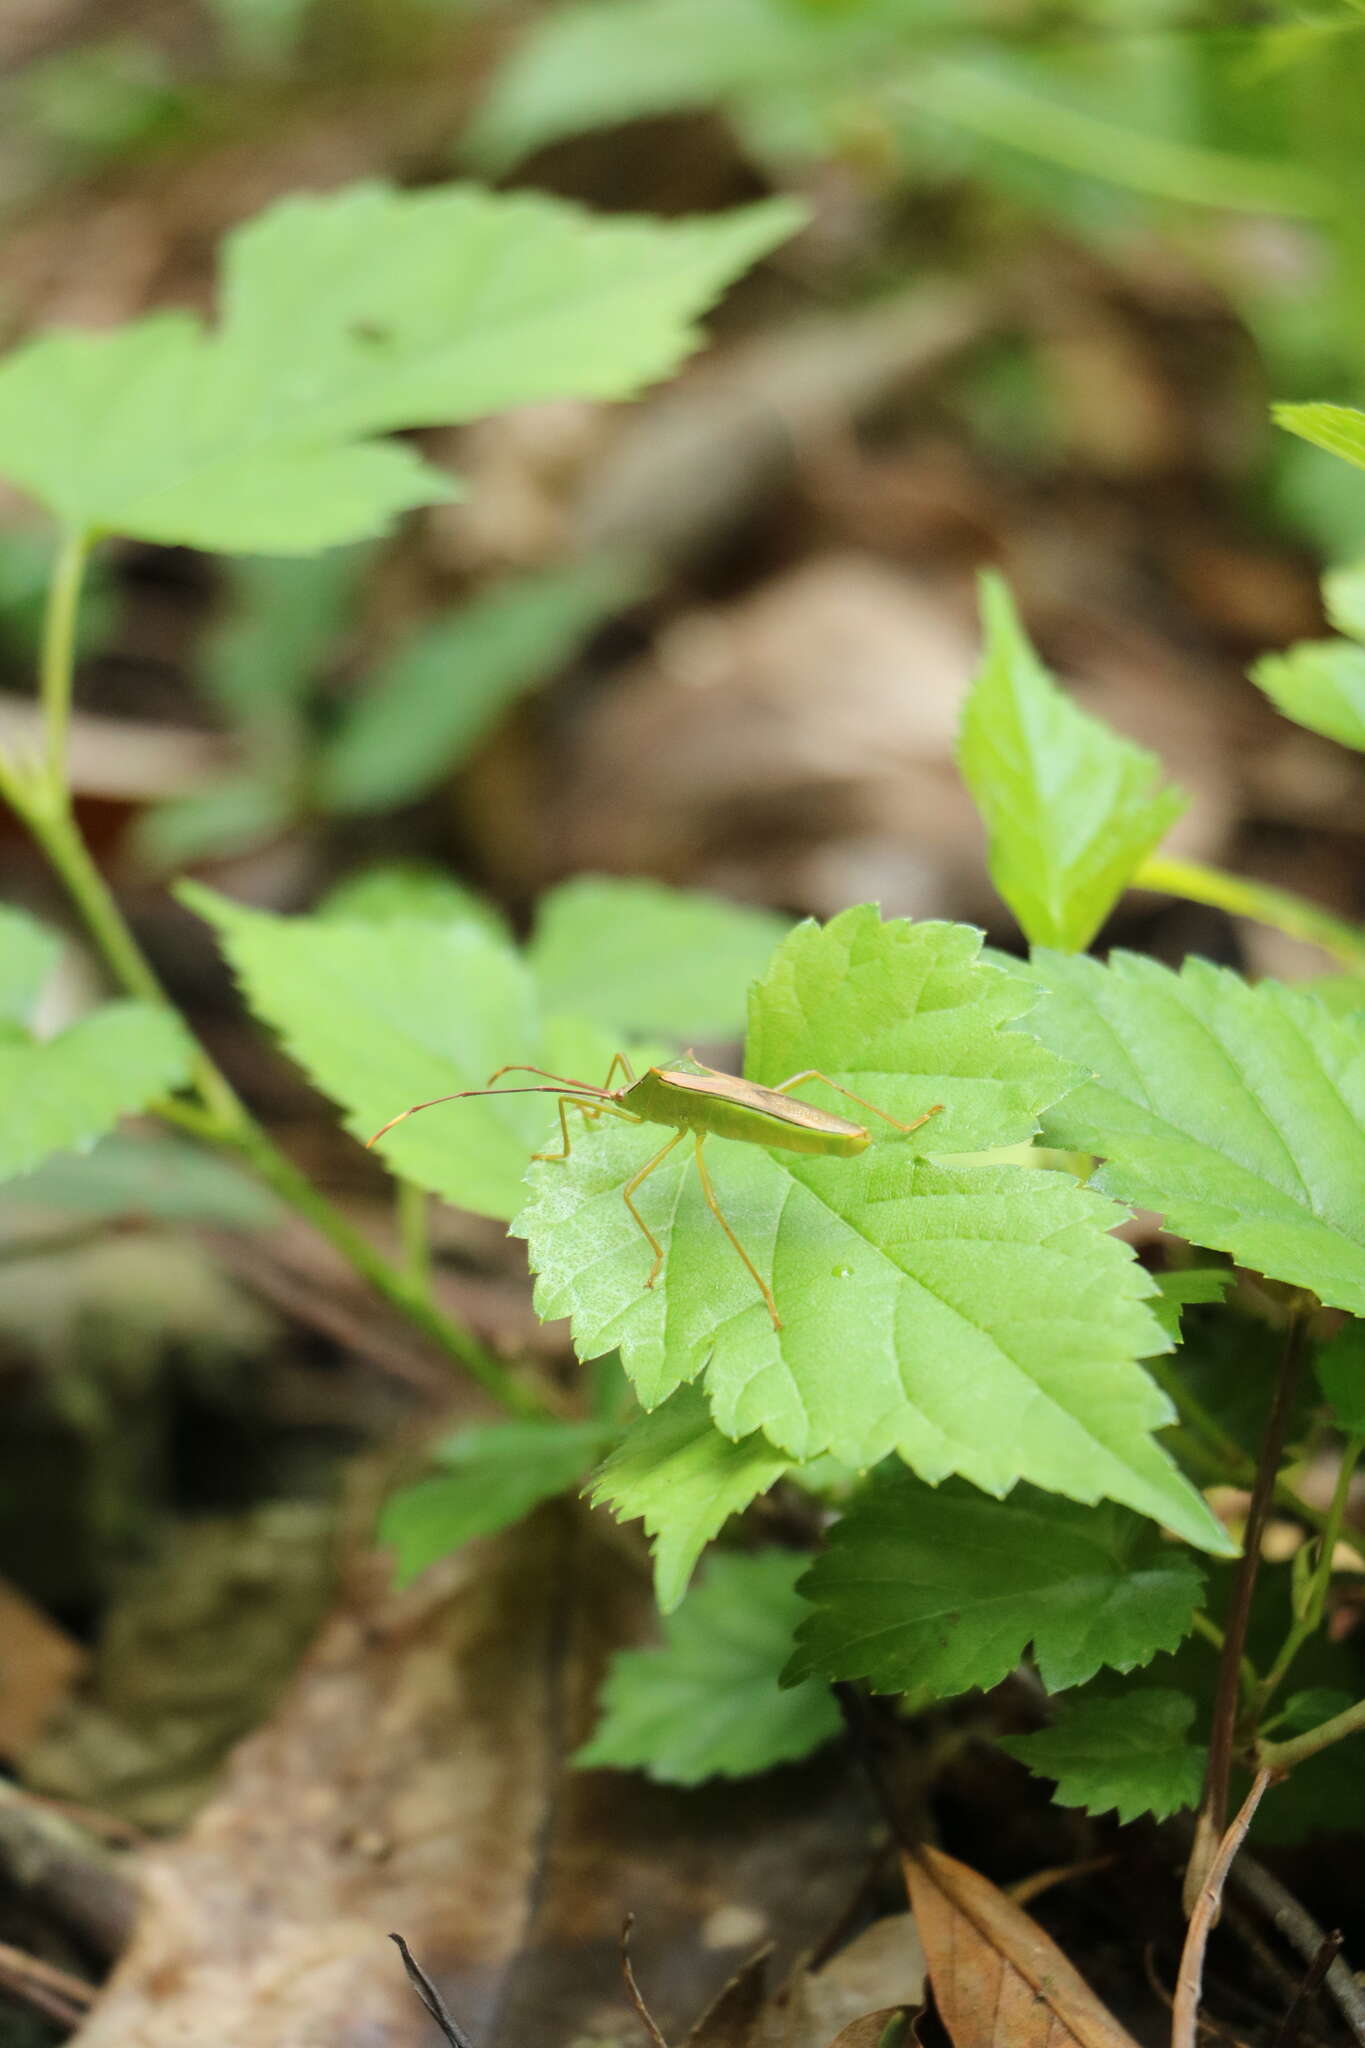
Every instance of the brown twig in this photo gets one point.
(1185, 2016)
(65, 1872)
(647, 2019)
(56, 1993)
(1223, 1731)
(430, 1996)
(1291, 2026)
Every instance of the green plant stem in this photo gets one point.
(41, 798)
(414, 1212)
(1278, 908)
(1223, 1728)
(58, 658)
(1282, 1756)
(1315, 1598)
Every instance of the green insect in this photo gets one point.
(708, 1104)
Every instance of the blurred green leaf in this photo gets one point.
(492, 1476)
(28, 954)
(1337, 428)
(708, 1704)
(153, 1176)
(1340, 1367)
(230, 816)
(1320, 684)
(409, 892)
(346, 316)
(62, 1093)
(444, 690)
(637, 956)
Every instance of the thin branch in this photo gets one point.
(1185, 2018)
(1223, 1731)
(647, 2019)
(430, 1996)
(1291, 2026)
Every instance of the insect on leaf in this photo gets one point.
(973, 1318)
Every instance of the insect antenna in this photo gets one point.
(465, 1094)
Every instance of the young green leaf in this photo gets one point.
(346, 316)
(442, 691)
(1236, 1113)
(282, 622)
(636, 956)
(1320, 684)
(60, 1094)
(1340, 429)
(1071, 810)
(708, 1704)
(1130, 1753)
(975, 1319)
(932, 1591)
(1187, 1287)
(677, 1472)
(28, 954)
(383, 1016)
(1343, 592)
(492, 1476)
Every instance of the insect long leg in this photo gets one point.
(714, 1206)
(589, 1109)
(814, 1074)
(515, 1067)
(629, 1189)
(620, 1060)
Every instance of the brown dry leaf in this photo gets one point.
(416, 1778)
(39, 1664)
(998, 1980)
(877, 1975)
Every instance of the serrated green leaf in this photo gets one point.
(1320, 684)
(1187, 1287)
(1131, 1754)
(975, 1319)
(1342, 994)
(409, 892)
(708, 1704)
(62, 1093)
(1340, 429)
(1236, 1113)
(1340, 1367)
(28, 954)
(444, 689)
(383, 1016)
(677, 1472)
(932, 1591)
(345, 316)
(492, 1476)
(637, 956)
(1070, 809)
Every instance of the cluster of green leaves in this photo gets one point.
(343, 318)
(969, 1361)
(1235, 1113)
